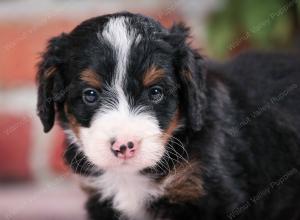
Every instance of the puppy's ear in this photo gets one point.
(191, 72)
(49, 80)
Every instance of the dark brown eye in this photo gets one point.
(156, 94)
(90, 96)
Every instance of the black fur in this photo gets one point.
(48, 91)
(242, 119)
(103, 210)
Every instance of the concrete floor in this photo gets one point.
(63, 201)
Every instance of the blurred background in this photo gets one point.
(34, 182)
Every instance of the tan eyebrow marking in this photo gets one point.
(91, 78)
(153, 75)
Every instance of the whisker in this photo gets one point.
(72, 161)
(180, 144)
(164, 168)
(175, 153)
(78, 163)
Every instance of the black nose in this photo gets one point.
(122, 148)
(130, 145)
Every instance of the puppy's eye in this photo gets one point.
(90, 96)
(156, 94)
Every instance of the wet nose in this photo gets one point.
(123, 148)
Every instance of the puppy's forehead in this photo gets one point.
(121, 49)
(123, 34)
(120, 36)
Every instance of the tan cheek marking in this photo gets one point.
(171, 128)
(91, 78)
(153, 75)
(185, 184)
(72, 121)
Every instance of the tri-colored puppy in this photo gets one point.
(155, 133)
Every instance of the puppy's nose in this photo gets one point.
(123, 148)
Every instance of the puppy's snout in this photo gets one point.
(124, 148)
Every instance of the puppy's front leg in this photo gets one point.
(101, 210)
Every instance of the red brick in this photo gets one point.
(21, 45)
(15, 146)
(56, 160)
(22, 42)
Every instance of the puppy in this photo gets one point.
(157, 132)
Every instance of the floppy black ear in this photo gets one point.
(191, 72)
(49, 80)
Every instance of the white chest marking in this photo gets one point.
(129, 192)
